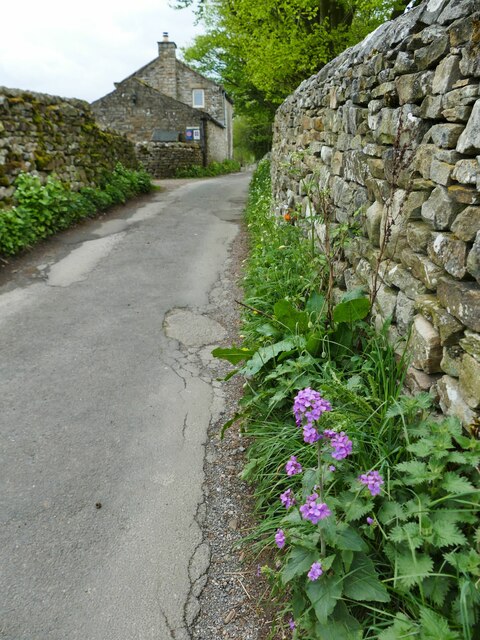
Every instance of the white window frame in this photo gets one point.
(202, 94)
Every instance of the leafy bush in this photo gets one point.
(373, 522)
(211, 170)
(42, 209)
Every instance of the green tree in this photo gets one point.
(261, 51)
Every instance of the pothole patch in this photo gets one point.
(193, 329)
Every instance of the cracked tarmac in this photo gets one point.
(108, 393)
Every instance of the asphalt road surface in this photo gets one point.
(105, 406)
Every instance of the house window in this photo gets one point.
(198, 98)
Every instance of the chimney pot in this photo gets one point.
(165, 36)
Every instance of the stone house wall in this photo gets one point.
(391, 128)
(44, 135)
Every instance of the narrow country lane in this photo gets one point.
(106, 399)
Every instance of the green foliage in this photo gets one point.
(211, 170)
(42, 209)
(261, 51)
(413, 569)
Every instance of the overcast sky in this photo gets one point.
(80, 49)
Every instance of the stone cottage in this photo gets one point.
(166, 102)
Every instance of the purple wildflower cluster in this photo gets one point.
(308, 406)
(315, 572)
(280, 538)
(373, 481)
(314, 511)
(287, 498)
(341, 445)
(293, 467)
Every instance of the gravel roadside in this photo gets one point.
(230, 604)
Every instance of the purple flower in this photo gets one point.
(259, 571)
(280, 539)
(315, 571)
(332, 468)
(370, 520)
(287, 499)
(310, 434)
(341, 445)
(329, 433)
(308, 406)
(314, 511)
(291, 624)
(293, 466)
(373, 481)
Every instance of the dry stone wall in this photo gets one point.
(46, 135)
(391, 128)
(162, 159)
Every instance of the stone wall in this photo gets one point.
(162, 159)
(45, 135)
(391, 128)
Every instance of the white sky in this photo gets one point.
(80, 49)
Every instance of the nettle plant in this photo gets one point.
(361, 552)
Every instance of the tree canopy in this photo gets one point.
(261, 51)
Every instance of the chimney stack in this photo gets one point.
(166, 80)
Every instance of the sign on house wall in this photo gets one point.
(192, 134)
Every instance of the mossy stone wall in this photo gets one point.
(44, 135)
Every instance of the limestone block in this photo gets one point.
(385, 301)
(446, 74)
(457, 9)
(446, 251)
(342, 192)
(467, 224)
(429, 56)
(418, 381)
(470, 62)
(337, 163)
(414, 87)
(404, 63)
(441, 172)
(440, 210)
(373, 150)
(460, 97)
(358, 248)
(404, 313)
(425, 346)
(418, 236)
(432, 107)
(376, 167)
(452, 360)
(432, 10)
(473, 259)
(422, 268)
(452, 402)
(463, 195)
(469, 380)
(412, 204)
(469, 141)
(373, 220)
(355, 166)
(466, 171)
(326, 154)
(396, 275)
(445, 135)
(423, 159)
(471, 344)
(462, 300)
(449, 329)
(462, 30)
(457, 114)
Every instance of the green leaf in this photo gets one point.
(417, 472)
(362, 583)
(402, 628)
(351, 310)
(412, 568)
(299, 561)
(436, 589)
(323, 594)
(316, 303)
(445, 533)
(229, 423)
(294, 320)
(340, 626)
(265, 354)
(267, 330)
(348, 539)
(234, 355)
(453, 483)
(435, 627)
